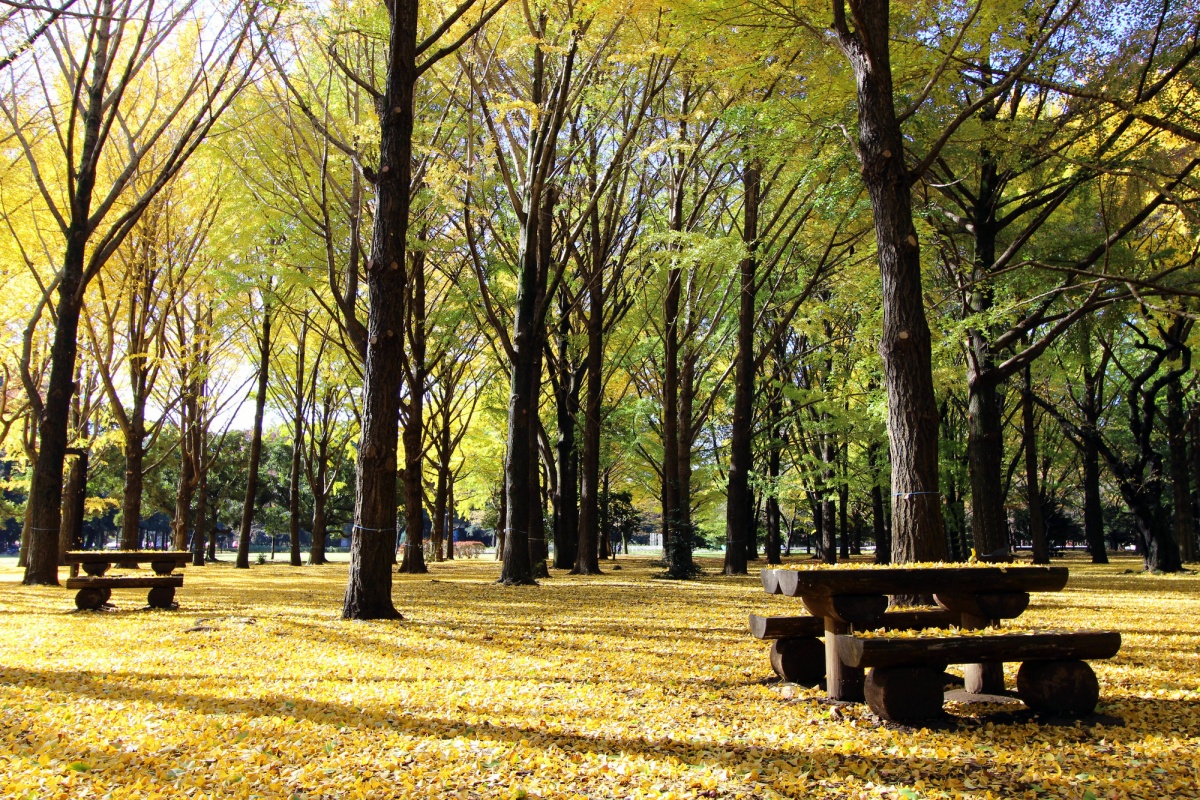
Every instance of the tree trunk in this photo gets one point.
(450, 532)
(373, 547)
(738, 499)
(131, 498)
(985, 459)
(566, 531)
(917, 527)
(1037, 528)
(297, 450)
(586, 562)
(201, 529)
(437, 528)
(69, 536)
(188, 458)
(413, 561)
(1185, 532)
(260, 402)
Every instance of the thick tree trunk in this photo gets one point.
(985, 460)
(131, 497)
(316, 550)
(437, 528)
(373, 547)
(1185, 532)
(738, 500)
(917, 527)
(1033, 496)
(1195, 426)
(1093, 510)
(260, 402)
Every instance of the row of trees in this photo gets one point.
(685, 235)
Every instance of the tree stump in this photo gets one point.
(900, 694)
(161, 597)
(1058, 687)
(91, 599)
(799, 659)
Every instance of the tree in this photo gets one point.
(112, 58)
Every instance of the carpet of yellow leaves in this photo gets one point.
(608, 686)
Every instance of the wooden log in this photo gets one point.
(769, 581)
(163, 567)
(787, 580)
(1058, 687)
(921, 580)
(162, 597)
(923, 650)
(125, 582)
(784, 627)
(780, 627)
(901, 694)
(988, 605)
(93, 568)
(89, 599)
(799, 659)
(842, 681)
(863, 611)
(123, 556)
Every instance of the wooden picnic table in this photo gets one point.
(95, 588)
(857, 599)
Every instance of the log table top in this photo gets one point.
(912, 580)
(125, 556)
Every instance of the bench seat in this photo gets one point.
(908, 651)
(906, 678)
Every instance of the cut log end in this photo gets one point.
(799, 659)
(903, 694)
(1058, 687)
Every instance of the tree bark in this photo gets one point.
(1033, 495)
(200, 536)
(586, 562)
(69, 535)
(1185, 532)
(260, 402)
(566, 528)
(738, 499)
(297, 449)
(917, 527)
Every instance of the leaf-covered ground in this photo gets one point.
(612, 686)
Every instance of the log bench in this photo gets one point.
(845, 601)
(798, 655)
(95, 588)
(906, 677)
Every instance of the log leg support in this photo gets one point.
(982, 678)
(162, 597)
(799, 659)
(841, 682)
(90, 599)
(1058, 687)
(900, 694)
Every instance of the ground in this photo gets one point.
(611, 686)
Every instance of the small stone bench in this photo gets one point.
(798, 655)
(906, 677)
(95, 589)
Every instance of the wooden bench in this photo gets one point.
(96, 587)
(906, 677)
(846, 601)
(797, 654)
